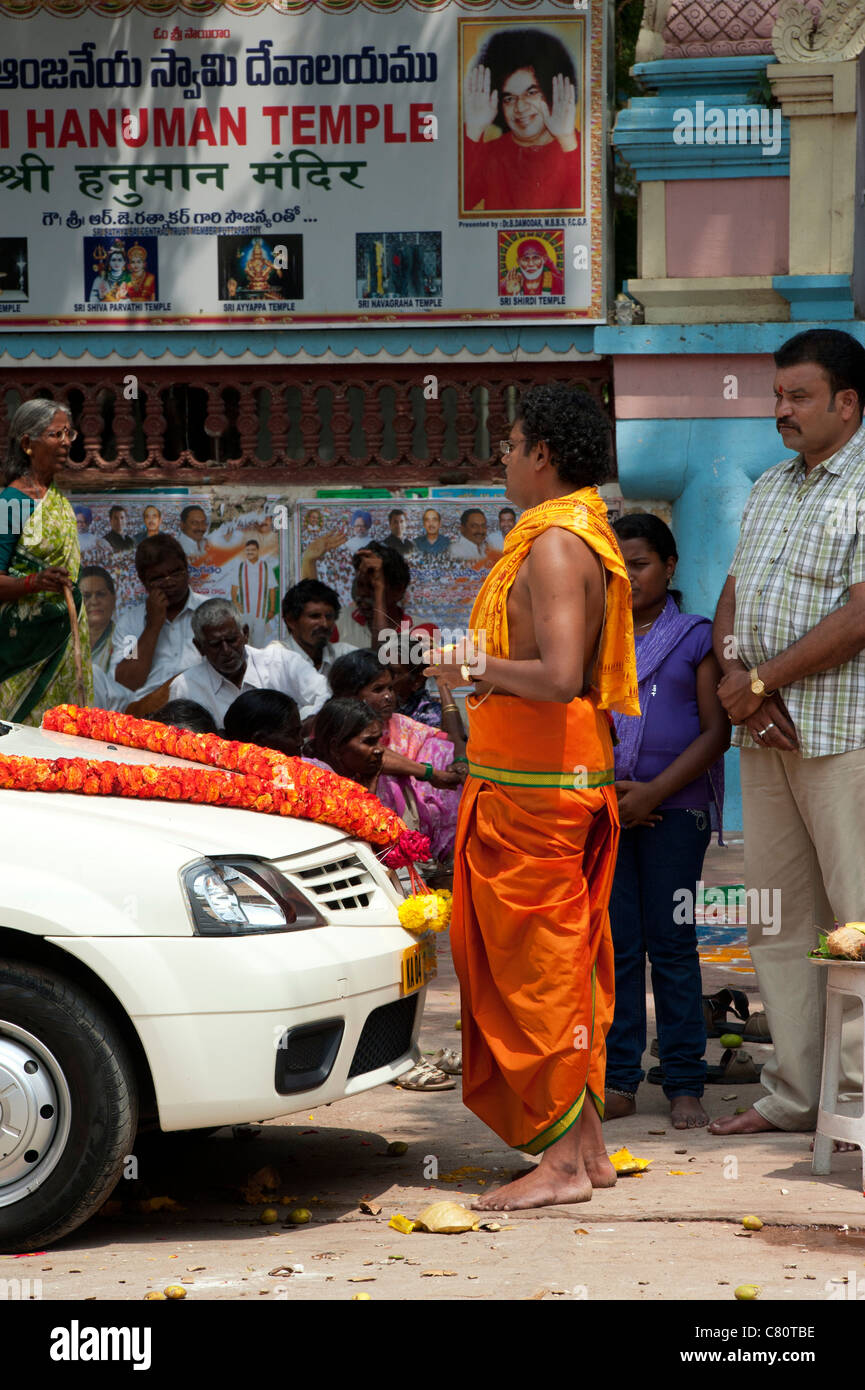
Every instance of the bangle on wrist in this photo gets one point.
(429, 772)
(30, 582)
(460, 760)
(446, 709)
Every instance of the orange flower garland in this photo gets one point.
(240, 775)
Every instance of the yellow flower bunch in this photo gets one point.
(426, 911)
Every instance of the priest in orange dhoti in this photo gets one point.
(538, 826)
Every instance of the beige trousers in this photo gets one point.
(803, 824)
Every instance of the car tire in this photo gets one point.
(68, 1106)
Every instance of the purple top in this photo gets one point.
(673, 718)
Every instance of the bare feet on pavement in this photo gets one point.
(560, 1177)
(752, 1122)
(686, 1112)
(540, 1188)
(840, 1146)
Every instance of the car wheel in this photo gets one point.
(68, 1106)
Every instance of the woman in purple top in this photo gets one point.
(668, 774)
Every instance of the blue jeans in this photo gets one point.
(654, 862)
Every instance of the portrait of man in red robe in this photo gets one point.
(532, 271)
(521, 142)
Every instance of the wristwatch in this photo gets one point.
(757, 686)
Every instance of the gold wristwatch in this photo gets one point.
(757, 686)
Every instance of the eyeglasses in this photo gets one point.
(507, 446)
(66, 432)
(529, 96)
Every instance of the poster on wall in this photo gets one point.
(301, 165)
(233, 551)
(449, 544)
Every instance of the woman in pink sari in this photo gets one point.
(418, 779)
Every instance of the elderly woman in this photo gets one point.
(418, 780)
(39, 561)
(347, 740)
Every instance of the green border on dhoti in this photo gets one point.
(578, 779)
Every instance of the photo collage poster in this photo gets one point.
(234, 550)
(450, 540)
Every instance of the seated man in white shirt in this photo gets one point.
(310, 610)
(228, 667)
(153, 640)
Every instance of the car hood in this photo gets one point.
(202, 829)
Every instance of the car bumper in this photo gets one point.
(214, 1014)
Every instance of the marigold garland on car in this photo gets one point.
(261, 780)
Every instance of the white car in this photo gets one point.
(181, 965)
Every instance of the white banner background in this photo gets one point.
(141, 158)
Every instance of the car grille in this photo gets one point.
(306, 1054)
(341, 886)
(386, 1035)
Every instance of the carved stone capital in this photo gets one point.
(836, 35)
(814, 89)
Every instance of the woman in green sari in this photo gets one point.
(39, 560)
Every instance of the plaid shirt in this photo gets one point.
(799, 552)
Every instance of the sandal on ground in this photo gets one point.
(737, 1067)
(716, 1007)
(755, 1029)
(424, 1077)
(448, 1061)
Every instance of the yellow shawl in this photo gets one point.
(584, 513)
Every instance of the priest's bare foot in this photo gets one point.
(618, 1106)
(686, 1112)
(752, 1122)
(560, 1177)
(593, 1151)
(540, 1188)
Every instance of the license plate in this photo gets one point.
(418, 965)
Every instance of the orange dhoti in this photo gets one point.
(535, 853)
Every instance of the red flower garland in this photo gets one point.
(262, 779)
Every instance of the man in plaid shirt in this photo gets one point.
(790, 637)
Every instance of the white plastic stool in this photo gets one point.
(836, 1119)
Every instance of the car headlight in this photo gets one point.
(239, 896)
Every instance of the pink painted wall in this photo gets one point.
(727, 227)
(691, 387)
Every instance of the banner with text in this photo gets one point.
(279, 168)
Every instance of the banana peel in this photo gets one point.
(402, 1224)
(625, 1163)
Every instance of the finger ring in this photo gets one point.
(768, 727)
(761, 732)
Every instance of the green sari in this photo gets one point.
(37, 662)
